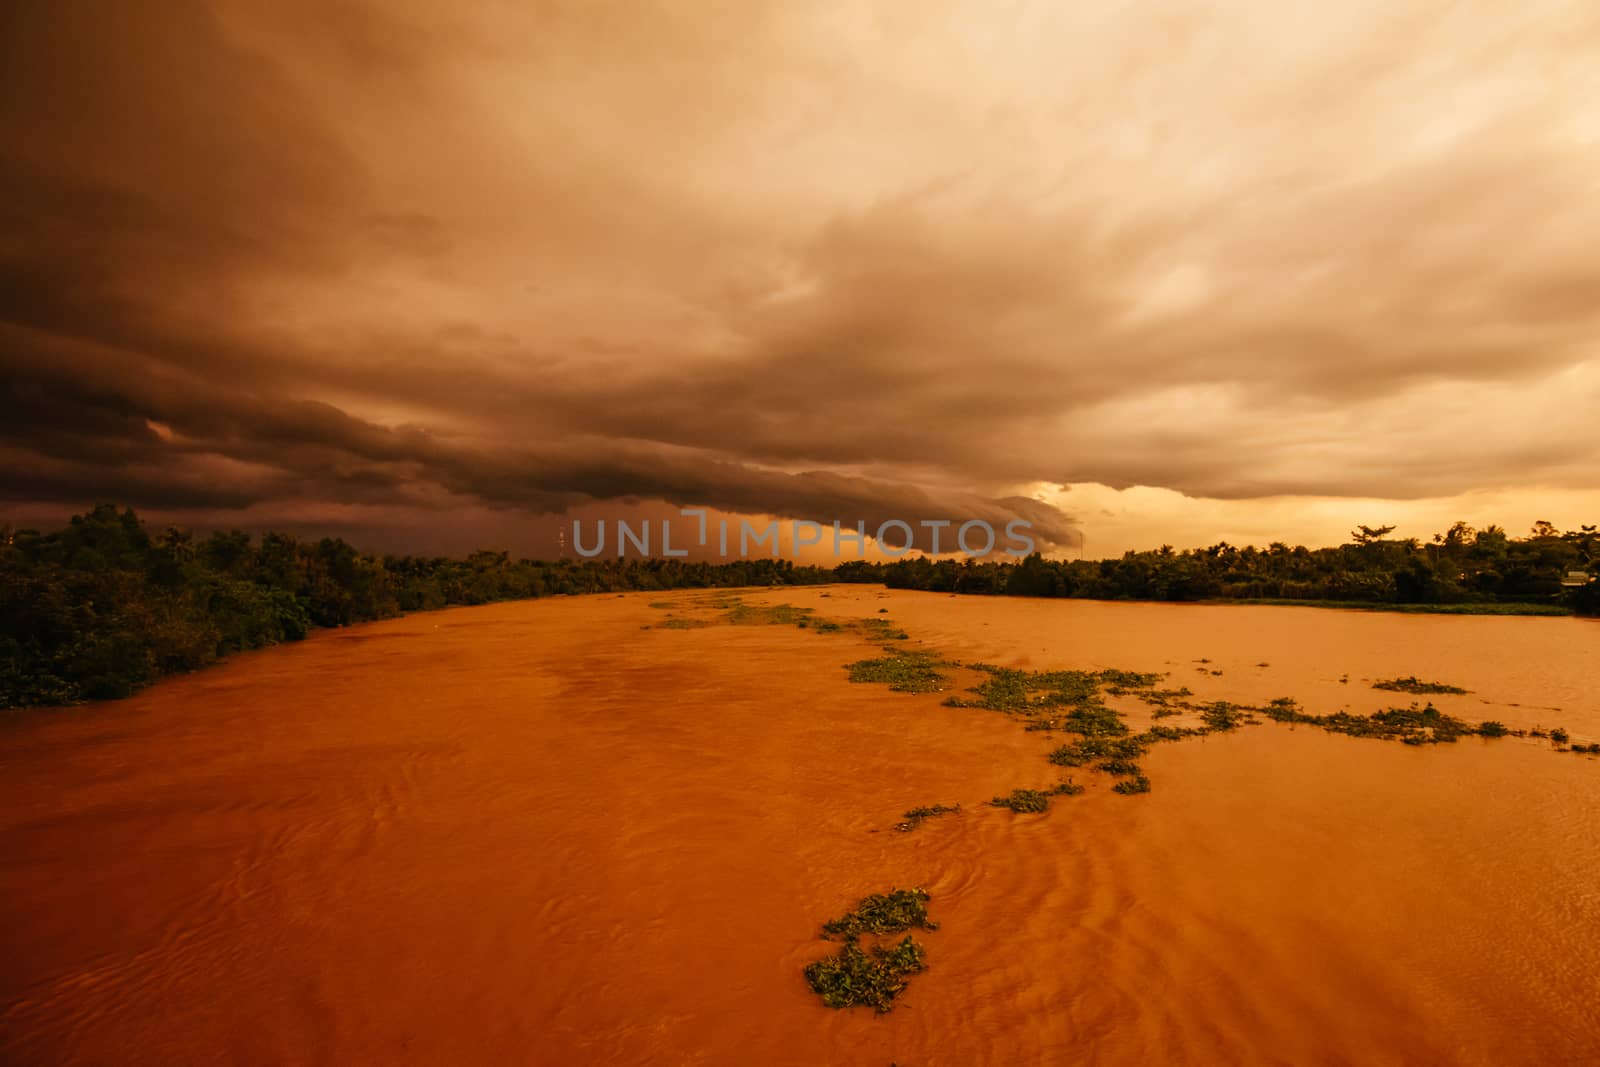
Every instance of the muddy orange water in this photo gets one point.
(541, 833)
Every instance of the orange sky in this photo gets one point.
(1142, 272)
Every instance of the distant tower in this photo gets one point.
(561, 542)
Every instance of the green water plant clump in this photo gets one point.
(1167, 701)
(1034, 801)
(683, 622)
(1222, 716)
(917, 816)
(1411, 725)
(1090, 750)
(893, 912)
(1011, 690)
(872, 978)
(1119, 767)
(1417, 687)
(903, 670)
(882, 630)
(742, 614)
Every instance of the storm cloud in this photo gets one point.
(815, 261)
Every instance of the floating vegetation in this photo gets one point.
(855, 978)
(1412, 726)
(893, 912)
(1024, 801)
(1034, 801)
(917, 816)
(1417, 687)
(1098, 749)
(1007, 689)
(665, 605)
(1167, 701)
(1129, 786)
(1492, 728)
(904, 671)
(682, 622)
(1221, 716)
(1282, 709)
(1090, 719)
(742, 614)
(1559, 736)
(1171, 733)
(1120, 679)
(882, 630)
(1119, 767)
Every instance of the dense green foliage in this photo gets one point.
(856, 978)
(875, 976)
(1461, 567)
(893, 912)
(1034, 801)
(1416, 686)
(903, 671)
(106, 606)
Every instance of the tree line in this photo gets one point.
(1459, 567)
(105, 606)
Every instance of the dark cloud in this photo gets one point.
(813, 262)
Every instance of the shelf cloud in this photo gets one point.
(815, 261)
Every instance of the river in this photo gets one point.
(555, 832)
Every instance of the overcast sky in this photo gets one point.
(432, 275)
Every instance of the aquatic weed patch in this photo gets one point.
(742, 614)
(917, 816)
(683, 622)
(1035, 801)
(881, 630)
(1221, 716)
(903, 670)
(893, 912)
(1410, 725)
(872, 978)
(1090, 750)
(1011, 690)
(1417, 687)
(1167, 701)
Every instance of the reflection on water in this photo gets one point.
(538, 833)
